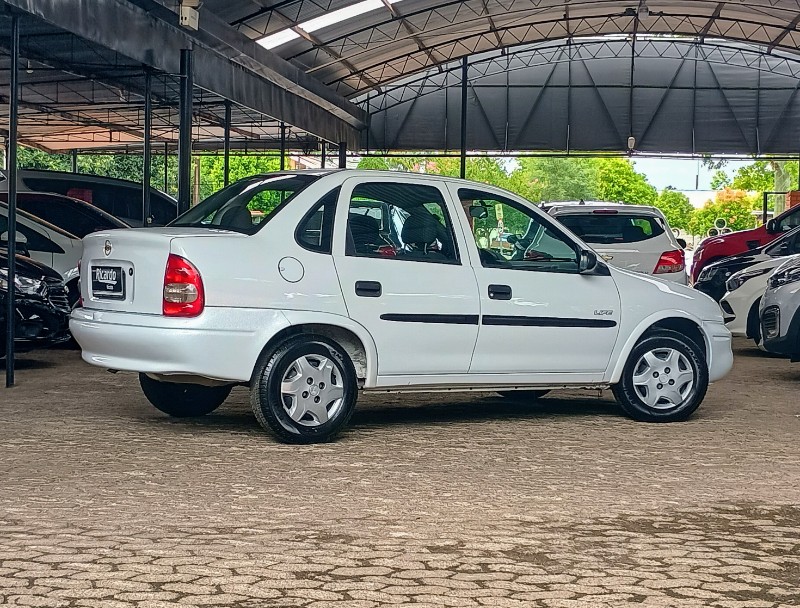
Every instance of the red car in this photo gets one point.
(718, 247)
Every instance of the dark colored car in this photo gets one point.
(42, 306)
(713, 279)
(118, 197)
(75, 216)
(716, 248)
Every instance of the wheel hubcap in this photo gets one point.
(312, 390)
(663, 378)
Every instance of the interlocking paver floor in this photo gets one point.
(428, 500)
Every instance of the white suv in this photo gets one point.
(780, 310)
(310, 286)
(634, 237)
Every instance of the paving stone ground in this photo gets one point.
(428, 500)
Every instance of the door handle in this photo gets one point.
(368, 289)
(499, 292)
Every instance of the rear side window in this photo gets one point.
(36, 241)
(611, 228)
(316, 229)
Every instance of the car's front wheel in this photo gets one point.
(183, 400)
(304, 391)
(664, 380)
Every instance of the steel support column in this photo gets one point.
(343, 155)
(166, 167)
(324, 151)
(146, 151)
(464, 66)
(75, 160)
(13, 121)
(283, 146)
(226, 154)
(185, 133)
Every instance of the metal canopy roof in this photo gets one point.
(84, 86)
(669, 93)
(386, 40)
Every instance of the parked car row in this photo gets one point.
(759, 293)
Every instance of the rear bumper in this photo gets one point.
(720, 350)
(222, 344)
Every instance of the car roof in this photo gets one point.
(592, 206)
(89, 177)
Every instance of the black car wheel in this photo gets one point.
(664, 380)
(304, 391)
(183, 400)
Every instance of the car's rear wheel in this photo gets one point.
(304, 391)
(529, 396)
(183, 400)
(664, 380)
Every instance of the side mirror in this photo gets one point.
(587, 261)
(479, 212)
(682, 243)
(21, 241)
(512, 238)
(772, 227)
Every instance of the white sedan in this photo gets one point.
(309, 287)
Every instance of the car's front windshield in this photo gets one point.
(245, 205)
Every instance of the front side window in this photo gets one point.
(790, 221)
(247, 204)
(400, 221)
(604, 227)
(509, 235)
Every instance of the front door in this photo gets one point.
(538, 314)
(403, 276)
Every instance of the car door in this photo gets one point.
(418, 299)
(539, 315)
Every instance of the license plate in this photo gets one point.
(108, 282)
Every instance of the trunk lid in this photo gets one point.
(123, 270)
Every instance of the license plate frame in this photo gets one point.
(108, 282)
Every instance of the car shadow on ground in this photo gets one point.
(481, 410)
(756, 353)
(237, 417)
(23, 364)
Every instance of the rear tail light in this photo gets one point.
(671, 261)
(183, 288)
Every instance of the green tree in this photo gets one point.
(212, 169)
(733, 206)
(618, 181)
(720, 180)
(758, 177)
(557, 179)
(676, 207)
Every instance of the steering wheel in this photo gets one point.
(533, 255)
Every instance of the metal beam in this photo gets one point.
(185, 132)
(779, 38)
(11, 246)
(343, 155)
(226, 62)
(464, 68)
(283, 146)
(148, 125)
(226, 154)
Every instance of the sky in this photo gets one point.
(684, 175)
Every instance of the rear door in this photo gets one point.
(417, 299)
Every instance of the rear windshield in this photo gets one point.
(607, 229)
(246, 204)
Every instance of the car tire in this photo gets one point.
(665, 378)
(183, 400)
(523, 395)
(305, 390)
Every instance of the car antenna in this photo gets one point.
(582, 202)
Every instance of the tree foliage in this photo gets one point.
(618, 181)
(676, 207)
(733, 206)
